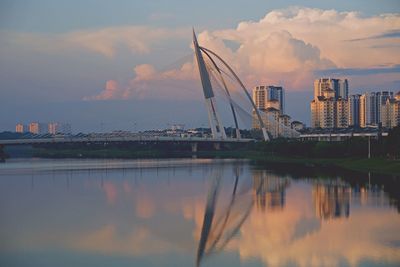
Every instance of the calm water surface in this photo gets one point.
(192, 212)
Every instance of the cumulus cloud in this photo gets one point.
(111, 91)
(289, 47)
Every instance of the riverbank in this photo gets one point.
(378, 165)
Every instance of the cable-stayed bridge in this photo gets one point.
(217, 77)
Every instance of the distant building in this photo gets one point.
(270, 117)
(269, 96)
(323, 112)
(329, 108)
(371, 106)
(343, 90)
(341, 113)
(297, 125)
(368, 114)
(390, 112)
(37, 128)
(59, 128)
(354, 110)
(20, 128)
(381, 98)
(339, 87)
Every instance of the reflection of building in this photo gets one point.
(269, 190)
(331, 201)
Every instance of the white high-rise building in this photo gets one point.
(339, 86)
(37, 128)
(390, 112)
(267, 96)
(329, 108)
(20, 128)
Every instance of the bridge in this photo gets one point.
(215, 73)
(216, 143)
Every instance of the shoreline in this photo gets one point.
(376, 165)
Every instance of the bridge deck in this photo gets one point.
(157, 139)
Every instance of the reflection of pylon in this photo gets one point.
(219, 229)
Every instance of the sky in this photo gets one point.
(128, 65)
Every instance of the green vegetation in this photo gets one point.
(350, 154)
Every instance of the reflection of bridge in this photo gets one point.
(222, 222)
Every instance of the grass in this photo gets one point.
(378, 165)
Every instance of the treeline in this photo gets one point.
(355, 147)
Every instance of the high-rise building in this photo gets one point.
(37, 128)
(381, 98)
(390, 112)
(329, 108)
(341, 113)
(323, 112)
(57, 127)
(340, 87)
(354, 110)
(368, 110)
(266, 96)
(343, 89)
(20, 128)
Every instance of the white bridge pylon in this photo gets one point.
(217, 128)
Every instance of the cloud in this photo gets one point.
(390, 34)
(106, 41)
(358, 71)
(111, 91)
(290, 47)
(147, 82)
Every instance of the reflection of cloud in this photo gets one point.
(145, 206)
(107, 240)
(295, 236)
(111, 192)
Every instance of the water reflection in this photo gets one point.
(331, 201)
(214, 214)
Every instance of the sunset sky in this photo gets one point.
(127, 65)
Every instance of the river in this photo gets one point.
(193, 212)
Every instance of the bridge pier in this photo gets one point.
(2, 154)
(217, 146)
(194, 147)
